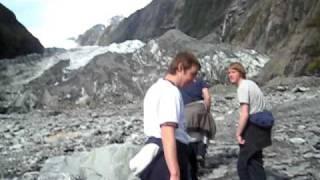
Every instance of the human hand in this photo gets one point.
(240, 139)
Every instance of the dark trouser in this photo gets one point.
(158, 170)
(250, 164)
(199, 148)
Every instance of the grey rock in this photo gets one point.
(300, 89)
(30, 176)
(229, 97)
(8, 135)
(282, 88)
(94, 115)
(93, 165)
(219, 172)
(57, 176)
(297, 141)
(311, 156)
(24, 102)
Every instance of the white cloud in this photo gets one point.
(62, 19)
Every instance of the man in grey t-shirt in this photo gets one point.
(249, 93)
(251, 138)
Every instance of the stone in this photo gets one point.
(311, 156)
(281, 88)
(219, 172)
(94, 115)
(229, 97)
(219, 118)
(30, 175)
(297, 141)
(300, 89)
(109, 162)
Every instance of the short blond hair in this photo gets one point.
(238, 67)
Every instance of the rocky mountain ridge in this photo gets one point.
(288, 31)
(94, 76)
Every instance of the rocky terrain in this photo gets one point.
(295, 150)
(15, 39)
(77, 114)
(47, 144)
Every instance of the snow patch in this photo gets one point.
(80, 57)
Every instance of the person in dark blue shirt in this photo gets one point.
(198, 90)
(199, 122)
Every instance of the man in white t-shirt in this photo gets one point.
(251, 138)
(164, 120)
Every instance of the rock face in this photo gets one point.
(15, 40)
(286, 30)
(145, 24)
(289, 30)
(98, 33)
(91, 36)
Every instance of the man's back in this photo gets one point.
(249, 92)
(193, 91)
(163, 103)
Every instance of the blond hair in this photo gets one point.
(238, 67)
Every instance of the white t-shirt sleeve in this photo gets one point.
(243, 93)
(169, 108)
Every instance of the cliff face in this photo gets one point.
(286, 30)
(91, 36)
(152, 21)
(15, 39)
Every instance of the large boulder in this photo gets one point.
(109, 162)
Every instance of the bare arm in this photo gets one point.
(244, 115)
(170, 150)
(207, 98)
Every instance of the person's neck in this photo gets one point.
(239, 82)
(172, 78)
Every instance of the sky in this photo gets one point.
(54, 21)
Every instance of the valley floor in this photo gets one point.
(28, 141)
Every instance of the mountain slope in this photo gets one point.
(147, 23)
(115, 74)
(15, 39)
(288, 30)
(91, 36)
